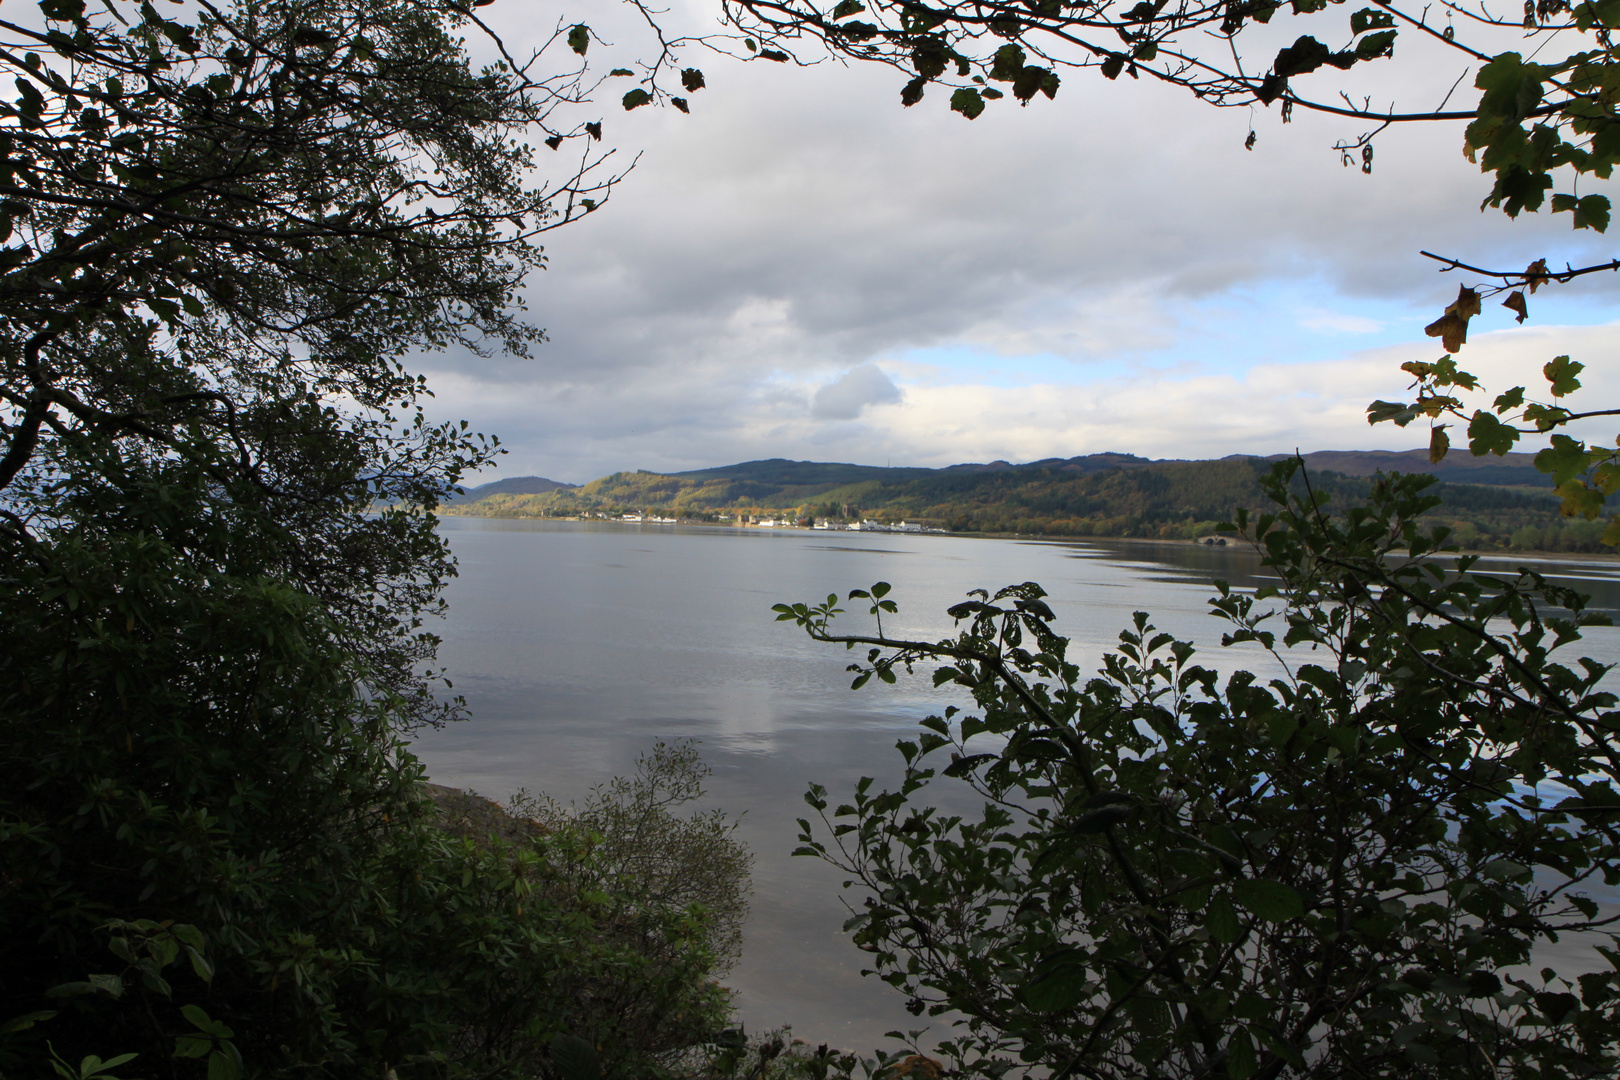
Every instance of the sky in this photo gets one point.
(802, 268)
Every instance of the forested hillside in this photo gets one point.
(1099, 495)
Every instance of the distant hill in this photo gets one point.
(1094, 495)
(514, 485)
(1458, 467)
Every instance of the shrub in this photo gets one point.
(1343, 871)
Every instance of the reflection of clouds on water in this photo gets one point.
(576, 648)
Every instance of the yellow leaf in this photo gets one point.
(1439, 443)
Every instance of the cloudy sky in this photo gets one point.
(802, 268)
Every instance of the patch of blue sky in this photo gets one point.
(1279, 321)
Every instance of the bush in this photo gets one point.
(216, 852)
(637, 843)
(1344, 871)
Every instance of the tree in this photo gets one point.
(1344, 870)
(226, 231)
(214, 840)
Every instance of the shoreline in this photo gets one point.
(1045, 538)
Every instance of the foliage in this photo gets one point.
(636, 840)
(1584, 475)
(225, 231)
(1541, 112)
(1348, 869)
(214, 845)
(224, 234)
(777, 1055)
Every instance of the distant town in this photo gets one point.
(1489, 504)
(763, 522)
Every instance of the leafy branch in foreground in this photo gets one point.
(1584, 475)
(1347, 865)
(1541, 112)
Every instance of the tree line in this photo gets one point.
(1177, 500)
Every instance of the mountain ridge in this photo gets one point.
(1503, 504)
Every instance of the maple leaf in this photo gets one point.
(1452, 327)
(1535, 275)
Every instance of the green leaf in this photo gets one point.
(1007, 63)
(1370, 19)
(1488, 435)
(1512, 87)
(1221, 919)
(25, 1021)
(1269, 900)
(1565, 459)
(1401, 414)
(1561, 372)
(579, 38)
(846, 8)
(636, 98)
(1241, 1060)
(967, 102)
(1376, 45)
(1057, 983)
(574, 1058)
(1591, 212)
(620, 71)
(1579, 500)
(1279, 1046)
(203, 1022)
(192, 1046)
(223, 1066)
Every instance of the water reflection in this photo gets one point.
(578, 644)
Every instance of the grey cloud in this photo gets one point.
(857, 388)
(800, 224)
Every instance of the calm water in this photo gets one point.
(577, 645)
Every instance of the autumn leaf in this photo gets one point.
(1452, 327)
(1515, 303)
(1439, 443)
(1535, 275)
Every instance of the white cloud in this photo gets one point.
(1104, 251)
(1334, 322)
